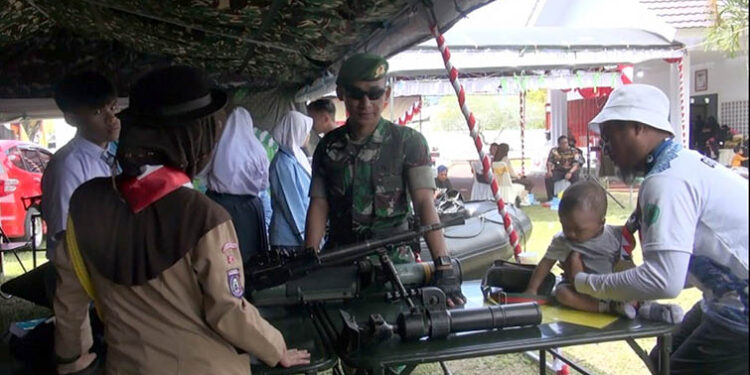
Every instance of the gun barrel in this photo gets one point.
(441, 323)
(277, 267)
(352, 252)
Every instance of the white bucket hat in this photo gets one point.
(636, 102)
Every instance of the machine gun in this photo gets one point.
(277, 267)
(430, 317)
(433, 320)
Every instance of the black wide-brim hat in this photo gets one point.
(171, 96)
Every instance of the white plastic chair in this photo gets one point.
(560, 186)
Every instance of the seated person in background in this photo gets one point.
(290, 181)
(235, 179)
(707, 139)
(725, 134)
(738, 158)
(563, 162)
(442, 183)
(575, 148)
(582, 215)
(501, 155)
(481, 189)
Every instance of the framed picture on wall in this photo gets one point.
(701, 80)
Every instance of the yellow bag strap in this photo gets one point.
(79, 267)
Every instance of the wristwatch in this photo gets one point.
(443, 261)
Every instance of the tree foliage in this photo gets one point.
(493, 112)
(730, 26)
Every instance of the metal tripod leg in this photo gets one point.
(590, 177)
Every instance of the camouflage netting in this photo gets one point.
(259, 44)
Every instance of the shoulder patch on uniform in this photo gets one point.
(235, 286)
(652, 213)
(228, 251)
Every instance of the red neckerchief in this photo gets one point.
(142, 192)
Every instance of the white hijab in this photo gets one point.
(240, 163)
(291, 133)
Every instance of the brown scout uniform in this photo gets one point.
(168, 282)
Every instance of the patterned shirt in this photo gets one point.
(366, 182)
(564, 160)
(690, 203)
(692, 214)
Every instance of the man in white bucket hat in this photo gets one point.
(693, 217)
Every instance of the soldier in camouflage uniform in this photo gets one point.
(366, 173)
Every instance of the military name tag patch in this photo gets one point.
(228, 251)
(235, 286)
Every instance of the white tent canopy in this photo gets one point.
(559, 34)
(421, 63)
(552, 44)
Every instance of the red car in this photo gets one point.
(21, 168)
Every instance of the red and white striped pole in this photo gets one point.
(626, 73)
(683, 117)
(471, 123)
(683, 113)
(522, 115)
(415, 108)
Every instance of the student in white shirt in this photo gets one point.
(88, 101)
(694, 230)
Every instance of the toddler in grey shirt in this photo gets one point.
(603, 248)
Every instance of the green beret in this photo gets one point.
(362, 67)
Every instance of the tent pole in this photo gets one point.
(420, 114)
(593, 178)
(471, 124)
(522, 115)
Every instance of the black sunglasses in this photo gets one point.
(356, 93)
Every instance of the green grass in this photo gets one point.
(607, 358)
(15, 309)
(547, 224)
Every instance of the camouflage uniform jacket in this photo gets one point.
(366, 183)
(563, 160)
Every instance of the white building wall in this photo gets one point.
(726, 77)
(656, 73)
(558, 115)
(665, 76)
